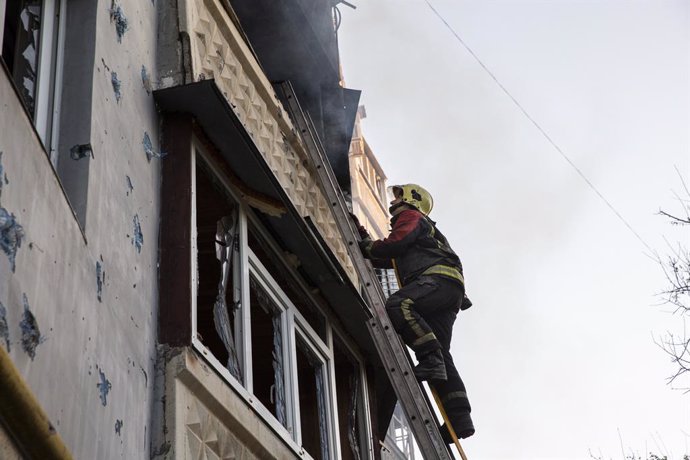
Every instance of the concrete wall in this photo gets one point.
(91, 368)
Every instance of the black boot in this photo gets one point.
(462, 425)
(431, 367)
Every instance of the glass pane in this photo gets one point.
(217, 232)
(20, 46)
(349, 392)
(312, 402)
(267, 347)
(289, 286)
(399, 438)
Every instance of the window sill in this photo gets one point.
(238, 412)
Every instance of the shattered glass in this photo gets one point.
(24, 39)
(226, 234)
(269, 387)
(11, 236)
(323, 420)
(352, 417)
(279, 390)
(312, 388)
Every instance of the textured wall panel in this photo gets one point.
(219, 53)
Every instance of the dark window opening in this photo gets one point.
(267, 351)
(215, 328)
(20, 47)
(348, 389)
(288, 285)
(312, 403)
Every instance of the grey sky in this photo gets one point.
(558, 352)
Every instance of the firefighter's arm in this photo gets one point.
(365, 247)
(406, 229)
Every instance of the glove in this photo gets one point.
(466, 303)
(363, 233)
(365, 246)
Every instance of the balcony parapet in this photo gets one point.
(219, 52)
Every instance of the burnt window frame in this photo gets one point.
(294, 325)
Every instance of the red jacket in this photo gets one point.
(414, 247)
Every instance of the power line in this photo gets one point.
(539, 128)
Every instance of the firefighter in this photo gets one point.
(432, 291)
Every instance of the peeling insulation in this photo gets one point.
(117, 85)
(31, 335)
(117, 16)
(138, 237)
(104, 387)
(146, 80)
(11, 236)
(148, 148)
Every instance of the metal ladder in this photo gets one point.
(393, 353)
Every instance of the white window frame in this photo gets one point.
(317, 348)
(245, 341)
(365, 429)
(294, 325)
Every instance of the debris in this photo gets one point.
(146, 80)
(11, 235)
(118, 17)
(118, 427)
(79, 151)
(31, 335)
(104, 386)
(117, 84)
(100, 280)
(4, 329)
(138, 238)
(148, 149)
(130, 187)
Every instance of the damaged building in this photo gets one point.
(173, 283)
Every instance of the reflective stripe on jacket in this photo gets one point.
(417, 247)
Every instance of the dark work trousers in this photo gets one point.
(423, 313)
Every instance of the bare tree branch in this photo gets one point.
(676, 268)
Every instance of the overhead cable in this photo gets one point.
(539, 128)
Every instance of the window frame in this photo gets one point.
(365, 426)
(294, 326)
(49, 73)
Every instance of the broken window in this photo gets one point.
(351, 423)
(217, 233)
(267, 350)
(30, 38)
(257, 321)
(313, 412)
(279, 272)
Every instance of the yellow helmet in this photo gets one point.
(415, 196)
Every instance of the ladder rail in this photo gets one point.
(413, 401)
